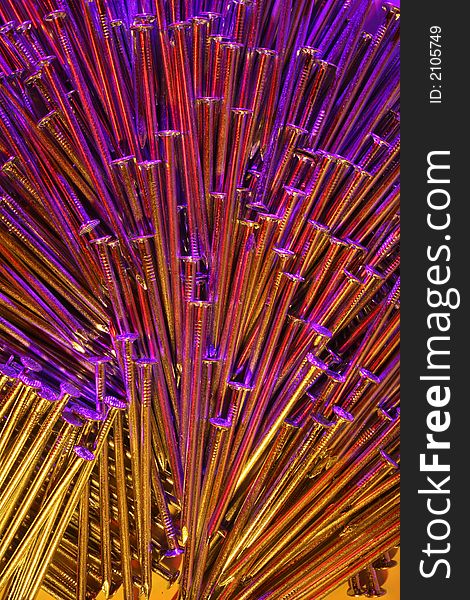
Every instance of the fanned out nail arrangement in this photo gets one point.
(199, 293)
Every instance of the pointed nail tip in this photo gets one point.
(106, 589)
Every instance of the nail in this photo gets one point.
(169, 576)
(345, 258)
(321, 401)
(112, 285)
(149, 248)
(28, 33)
(348, 199)
(317, 532)
(123, 508)
(125, 169)
(35, 527)
(195, 434)
(250, 500)
(200, 27)
(354, 587)
(151, 172)
(234, 315)
(37, 407)
(304, 461)
(83, 543)
(144, 82)
(23, 474)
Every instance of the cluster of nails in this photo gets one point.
(199, 227)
